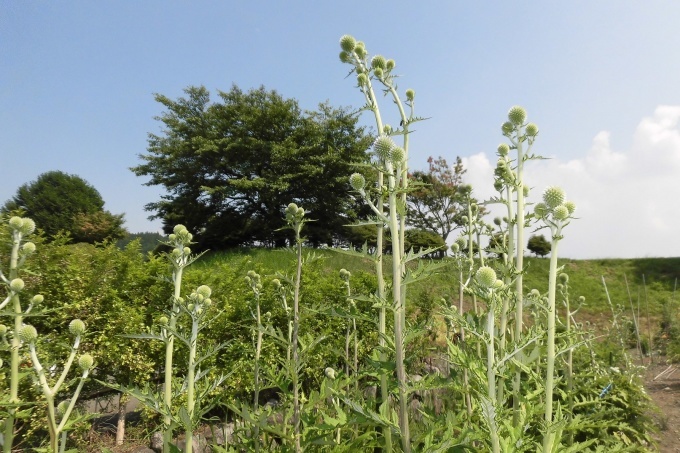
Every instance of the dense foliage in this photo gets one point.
(60, 202)
(231, 167)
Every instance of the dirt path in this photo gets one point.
(665, 392)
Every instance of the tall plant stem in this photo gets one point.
(295, 351)
(169, 349)
(519, 284)
(569, 373)
(490, 371)
(191, 373)
(649, 322)
(16, 343)
(505, 304)
(466, 382)
(548, 437)
(258, 349)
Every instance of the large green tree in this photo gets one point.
(60, 202)
(435, 204)
(231, 167)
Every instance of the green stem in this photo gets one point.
(296, 327)
(169, 349)
(191, 372)
(549, 438)
(519, 283)
(14, 360)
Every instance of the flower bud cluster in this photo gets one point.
(254, 281)
(517, 117)
(554, 206)
(23, 226)
(199, 298)
(294, 214)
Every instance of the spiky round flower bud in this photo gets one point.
(344, 273)
(455, 247)
(172, 237)
(517, 115)
(507, 128)
(362, 80)
(498, 284)
(378, 72)
(16, 285)
(190, 307)
(540, 210)
(300, 212)
(186, 251)
(571, 206)
(553, 196)
(208, 301)
(464, 219)
(564, 278)
(276, 283)
(344, 57)
(465, 189)
(179, 229)
(360, 50)
(497, 221)
(503, 149)
(486, 277)
(348, 43)
(28, 248)
(15, 223)
(27, 226)
(531, 130)
(330, 373)
(37, 299)
(163, 321)
(535, 293)
(525, 191)
(357, 181)
(498, 185)
(204, 290)
(561, 213)
(3, 329)
(410, 94)
(383, 146)
(560, 286)
(63, 407)
(390, 64)
(27, 333)
(378, 61)
(76, 327)
(85, 362)
(398, 155)
(581, 299)
(462, 241)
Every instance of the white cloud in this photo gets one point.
(627, 200)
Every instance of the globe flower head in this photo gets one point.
(503, 149)
(564, 278)
(461, 241)
(16, 285)
(535, 293)
(410, 94)
(378, 72)
(3, 330)
(497, 221)
(455, 248)
(344, 274)
(561, 213)
(85, 362)
(163, 321)
(531, 130)
(581, 299)
(398, 155)
(37, 299)
(330, 373)
(571, 206)
(390, 64)
(27, 226)
(357, 181)
(28, 248)
(205, 290)
(63, 407)
(517, 115)
(362, 80)
(378, 62)
(383, 146)
(27, 333)
(507, 128)
(553, 197)
(540, 210)
(76, 327)
(525, 191)
(360, 50)
(15, 223)
(486, 277)
(465, 189)
(179, 229)
(348, 43)
(345, 57)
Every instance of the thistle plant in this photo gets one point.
(392, 186)
(20, 230)
(556, 213)
(58, 420)
(254, 281)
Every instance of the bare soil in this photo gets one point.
(664, 389)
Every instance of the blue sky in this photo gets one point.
(599, 78)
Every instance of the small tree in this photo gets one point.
(538, 245)
(58, 202)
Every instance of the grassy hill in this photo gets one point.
(651, 280)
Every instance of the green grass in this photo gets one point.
(585, 276)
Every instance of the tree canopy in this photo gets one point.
(60, 202)
(539, 245)
(435, 204)
(231, 167)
